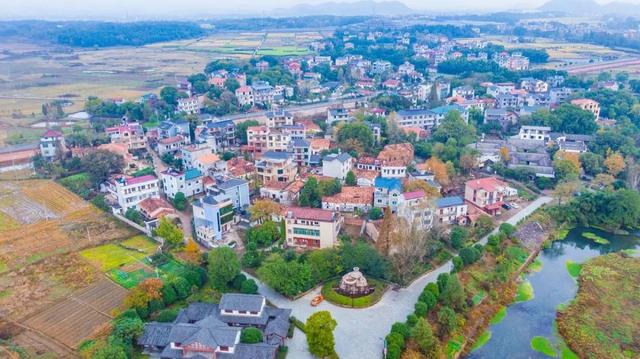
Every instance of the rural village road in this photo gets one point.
(360, 332)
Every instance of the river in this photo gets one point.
(552, 286)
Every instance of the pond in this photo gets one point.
(552, 286)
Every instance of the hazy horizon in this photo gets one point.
(165, 9)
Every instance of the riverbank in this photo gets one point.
(602, 321)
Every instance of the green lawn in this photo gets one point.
(525, 292)
(482, 340)
(454, 345)
(573, 268)
(544, 346)
(478, 298)
(360, 302)
(129, 279)
(111, 256)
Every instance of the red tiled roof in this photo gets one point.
(358, 195)
(52, 133)
(141, 179)
(413, 195)
(168, 140)
(310, 213)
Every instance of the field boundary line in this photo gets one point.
(27, 327)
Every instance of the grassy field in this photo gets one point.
(602, 322)
(111, 256)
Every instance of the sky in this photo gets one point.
(133, 9)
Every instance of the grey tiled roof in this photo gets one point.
(156, 334)
(232, 182)
(236, 301)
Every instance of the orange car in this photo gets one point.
(317, 300)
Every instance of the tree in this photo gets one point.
(375, 213)
(569, 156)
(241, 130)
(633, 174)
(223, 266)
(319, 330)
(383, 243)
(458, 236)
(110, 351)
(592, 163)
(133, 215)
(169, 232)
(439, 170)
(614, 163)
(564, 190)
(504, 154)
(263, 235)
(603, 181)
(364, 256)
(146, 291)
(356, 131)
(447, 320)
(286, 277)
(310, 195)
(420, 185)
(127, 329)
(264, 209)
(453, 294)
(180, 201)
(566, 170)
(324, 264)
(169, 95)
(350, 179)
(192, 251)
(250, 335)
(249, 286)
(422, 333)
(100, 164)
(469, 255)
(454, 126)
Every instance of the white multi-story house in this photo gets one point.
(130, 134)
(393, 169)
(128, 192)
(52, 144)
(189, 182)
(387, 193)
(244, 94)
(337, 165)
(540, 133)
(212, 217)
(415, 209)
(337, 115)
(279, 118)
(188, 105)
(451, 210)
(312, 228)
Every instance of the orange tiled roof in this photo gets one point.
(357, 195)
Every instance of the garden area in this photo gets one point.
(602, 322)
(462, 303)
(331, 295)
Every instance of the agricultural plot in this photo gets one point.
(80, 316)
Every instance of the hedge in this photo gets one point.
(361, 302)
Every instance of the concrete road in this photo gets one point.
(360, 332)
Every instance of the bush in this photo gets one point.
(421, 309)
(127, 329)
(470, 255)
(238, 280)
(412, 319)
(167, 315)
(395, 339)
(249, 287)
(182, 287)
(433, 288)
(361, 302)
(375, 213)
(251, 335)
(428, 298)
(508, 229)
(155, 305)
(458, 237)
(458, 264)
(393, 352)
(129, 313)
(298, 323)
(401, 328)
(169, 295)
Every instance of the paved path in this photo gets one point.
(360, 332)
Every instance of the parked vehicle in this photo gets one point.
(232, 244)
(317, 300)
(506, 206)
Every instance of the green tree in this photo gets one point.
(310, 195)
(469, 255)
(223, 266)
(566, 170)
(455, 127)
(110, 351)
(249, 286)
(375, 213)
(241, 130)
(100, 164)
(231, 84)
(422, 333)
(447, 320)
(319, 330)
(169, 95)
(169, 232)
(251, 335)
(286, 277)
(127, 329)
(263, 235)
(458, 237)
(180, 201)
(324, 264)
(350, 179)
(356, 131)
(133, 215)
(453, 294)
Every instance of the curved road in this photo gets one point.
(360, 332)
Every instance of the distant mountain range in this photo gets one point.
(358, 8)
(590, 7)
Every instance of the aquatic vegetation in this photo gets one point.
(594, 237)
(544, 346)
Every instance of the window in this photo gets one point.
(307, 232)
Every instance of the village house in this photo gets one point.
(337, 165)
(500, 116)
(415, 209)
(130, 134)
(350, 199)
(282, 192)
(257, 138)
(387, 193)
(487, 194)
(213, 215)
(365, 178)
(278, 118)
(276, 166)
(223, 131)
(539, 133)
(171, 144)
(175, 128)
(393, 169)
(300, 149)
(207, 330)
(312, 228)
(237, 189)
(588, 105)
(52, 144)
(188, 105)
(402, 152)
(571, 142)
(127, 192)
(338, 114)
(152, 210)
(451, 210)
(189, 182)
(244, 94)
(18, 157)
(466, 92)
